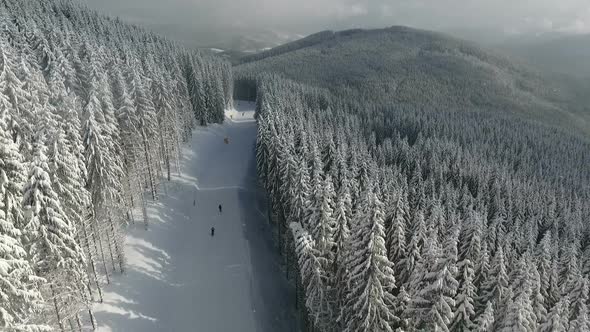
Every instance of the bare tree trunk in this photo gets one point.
(99, 241)
(92, 263)
(116, 242)
(56, 307)
(178, 154)
(131, 196)
(149, 166)
(79, 322)
(92, 319)
(168, 167)
(144, 210)
(130, 216)
(164, 152)
(111, 242)
(129, 190)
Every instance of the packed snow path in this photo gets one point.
(179, 277)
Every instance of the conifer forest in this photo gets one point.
(414, 220)
(92, 116)
(400, 180)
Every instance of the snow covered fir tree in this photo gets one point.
(92, 112)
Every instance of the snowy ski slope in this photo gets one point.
(179, 277)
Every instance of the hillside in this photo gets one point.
(249, 43)
(404, 66)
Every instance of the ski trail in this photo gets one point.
(179, 277)
(225, 188)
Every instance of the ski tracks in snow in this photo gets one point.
(179, 277)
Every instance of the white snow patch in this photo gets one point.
(243, 112)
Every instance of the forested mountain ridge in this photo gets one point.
(308, 41)
(400, 65)
(401, 219)
(92, 115)
(442, 207)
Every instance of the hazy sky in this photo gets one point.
(206, 21)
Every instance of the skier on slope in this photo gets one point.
(219, 208)
(212, 231)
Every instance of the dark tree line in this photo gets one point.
(409, 219)
(92, 116)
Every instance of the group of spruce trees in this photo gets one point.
(412, 220)
(92, 116)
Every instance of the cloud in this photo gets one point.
(205, 20)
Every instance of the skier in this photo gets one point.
(219, 208)
(212, 231)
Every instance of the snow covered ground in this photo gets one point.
(179, 277)
(243, 112)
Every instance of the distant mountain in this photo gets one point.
(252, 42)
(566, 54)
(416, 68)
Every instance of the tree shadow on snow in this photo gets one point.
(272, 296)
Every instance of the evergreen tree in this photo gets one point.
(323, 229)
(51, 242)
(581, 322)
(342, 215)
(494, 288)
(433, 299)
(15, 94)
(369, 302)
(485, 322)
(408, 263)
(557, 320)
(396, 234)
(19, 295)
(465, 312)
(313, 276)
(579, 298)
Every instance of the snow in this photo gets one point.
(244, 112)
(179, 277)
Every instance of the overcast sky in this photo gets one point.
(207, 21)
